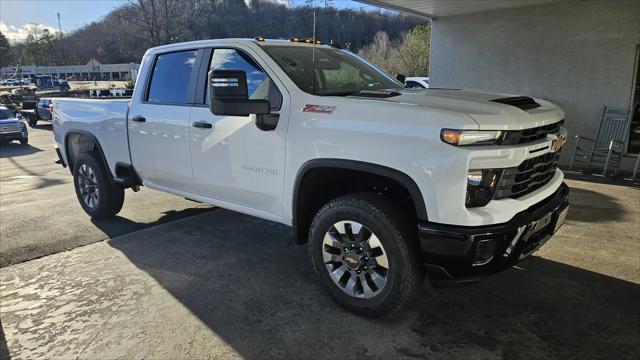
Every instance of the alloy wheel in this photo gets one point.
(355, 259)
(88, 185)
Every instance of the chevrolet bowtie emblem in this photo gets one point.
(557, 143)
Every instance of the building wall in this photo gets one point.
(102, 70)
(580, 55)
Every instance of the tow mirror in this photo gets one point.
(401, 78)
(228, 95)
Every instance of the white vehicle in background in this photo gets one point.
(417, 82)
(10, 82)
(384, 183)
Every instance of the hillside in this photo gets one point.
(123, 35)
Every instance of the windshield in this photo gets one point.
(6, 114)
(337, 72)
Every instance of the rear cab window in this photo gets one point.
(170, 77)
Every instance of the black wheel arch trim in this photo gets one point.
(95, 141)
(381, 170)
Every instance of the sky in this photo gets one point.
(17, 16)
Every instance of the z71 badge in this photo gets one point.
(322, 109)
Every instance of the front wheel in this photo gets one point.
(24, 140)
(366, 254)
(98, 195)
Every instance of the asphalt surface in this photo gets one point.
(39, 211)
(224, 285)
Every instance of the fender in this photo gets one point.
(95, 141)
(396, 175)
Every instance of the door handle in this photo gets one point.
(202, 125)
(138, 118)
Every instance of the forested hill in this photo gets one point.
(124, 34)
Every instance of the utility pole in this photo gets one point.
(59, 24)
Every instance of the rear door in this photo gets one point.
(159, 121)
(232, 159)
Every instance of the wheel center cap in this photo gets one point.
(352, 260)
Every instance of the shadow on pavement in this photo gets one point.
(591, 206)
(15, 149)
(43, 126)
(250, 284)
(4, 350)
(111, 227)
(119, 225)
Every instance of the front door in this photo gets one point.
(233, 160)
(159, 123)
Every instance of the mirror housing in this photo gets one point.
(228, 94)
(401, 78)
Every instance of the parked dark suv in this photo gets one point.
(43, 110)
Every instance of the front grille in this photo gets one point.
(529, 135)
(8, 128)
(527, 177)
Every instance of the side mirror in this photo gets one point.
(228, 94)
(401, 78)
(18, 115)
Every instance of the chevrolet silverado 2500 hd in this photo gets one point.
(385, 184)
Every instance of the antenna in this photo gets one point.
(313, 55)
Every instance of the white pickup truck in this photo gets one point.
(387, 185)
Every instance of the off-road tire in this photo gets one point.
(110, 195)
(398, 235)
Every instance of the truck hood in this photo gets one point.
(488, 114)
(10, 121)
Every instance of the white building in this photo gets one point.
(93, 70)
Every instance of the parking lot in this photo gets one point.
(170, 278)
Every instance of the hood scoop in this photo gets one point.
(521, 102)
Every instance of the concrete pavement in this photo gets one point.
(39, 212)
(225, 285)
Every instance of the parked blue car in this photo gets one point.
(12, 127)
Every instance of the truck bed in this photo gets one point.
(106, 120)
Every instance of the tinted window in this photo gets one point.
(334, 71)
(258, 84)
(5, 114)
(413, 85)
(170, 77)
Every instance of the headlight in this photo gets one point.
(480, 186)
(470, 137)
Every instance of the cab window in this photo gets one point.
(170, 77)
(258, 84)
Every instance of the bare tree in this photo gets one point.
(157, 18)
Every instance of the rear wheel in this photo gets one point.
(366, 254)
(98, 195)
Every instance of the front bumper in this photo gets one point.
(13, 136)
(462, 253)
